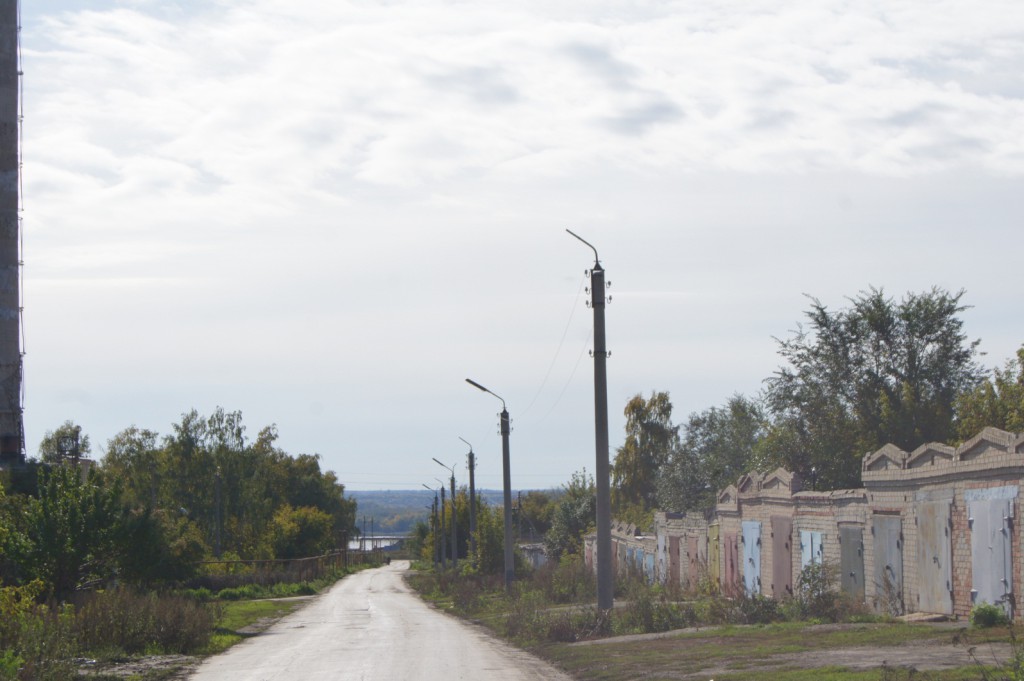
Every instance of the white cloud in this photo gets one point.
(327, 214)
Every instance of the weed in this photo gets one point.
(130, 622)
(988, 615)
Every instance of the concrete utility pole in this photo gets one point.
(472, 502)
(605, 576)
(433, 525)
(444, 557)
(506, 471)
(455, 536)
(12, 449)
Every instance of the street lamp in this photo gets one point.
(455, 541)
(472, 501)
(605, 577)
(510, 569)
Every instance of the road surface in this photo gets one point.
(371, 625)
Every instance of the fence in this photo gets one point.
(220, 574)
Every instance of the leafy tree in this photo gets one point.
(874, 373)
(301, 532)
(134, 457)
(72, 529)
(650, 440)
(575, 514)
(536, 508)
(158, 547)
(228, 488)
(717, 446)
(490, 540)
(996, 402)
(66, 441)
(14, 545)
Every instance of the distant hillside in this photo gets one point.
(398, 511)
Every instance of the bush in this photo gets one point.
(125, 621)
(988, 615)
(757, 609)
(35, 639)
(566, 581)
(239, 593)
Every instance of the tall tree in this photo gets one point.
(73, 528)
(717, 446)
(67, 441)
(997, 401)
(575, 514)
(877, 372)
(650, 440)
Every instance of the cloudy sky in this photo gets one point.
(327, 215)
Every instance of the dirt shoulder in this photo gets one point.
(736, 652)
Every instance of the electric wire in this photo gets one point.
(568, 381)
(561, 343)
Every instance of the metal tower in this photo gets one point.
(12, 448)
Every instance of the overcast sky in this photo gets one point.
(327, 215)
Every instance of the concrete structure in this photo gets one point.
(11, 429)
(936, 530)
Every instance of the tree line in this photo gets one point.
(154, 506)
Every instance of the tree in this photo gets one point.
(72, 529)
(133, 456)
(575, 515)
(996, 402)
(536, 509)
(877, 372)
(650, 440)
(717, 446)
(66, 441)
(301, 532)
(490, 540)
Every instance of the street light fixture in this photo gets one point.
(472, 501)
(455, 541)
(510, 569)
(605, 577)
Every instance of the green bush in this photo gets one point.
(240, 593)
(35, 639)
(757, 609)
(988, 615)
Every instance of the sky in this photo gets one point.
(327, 215)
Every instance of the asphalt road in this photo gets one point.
(371, 626)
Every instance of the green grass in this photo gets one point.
(237, 615)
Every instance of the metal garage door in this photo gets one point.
(888, 576)
(751, 556)
(991, 522)
(851, 560)
(782, 556)
(934, 558)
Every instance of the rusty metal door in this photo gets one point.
(782, 557)
(888, 577)
(714, 555)
(673, 560)
(991, 522)
(731, 574)
(934, 557)
(751, 556)
(851, 561)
